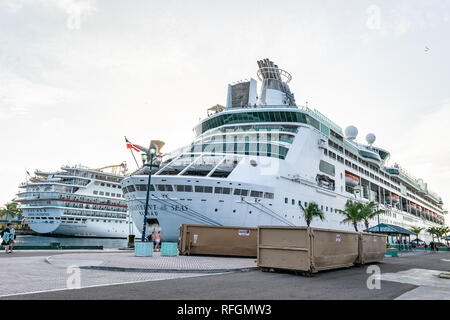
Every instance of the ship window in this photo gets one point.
(258, 194)
(285, 200)
(293, 201)
(268, 195)
(107, 194)
(102, 184)
(327, 168)
(241, 192)
(131, 188)
(205, 189)
(101, 193)
(222, 190)
(95, 192)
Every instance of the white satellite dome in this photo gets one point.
(370, 138)
(351, 132)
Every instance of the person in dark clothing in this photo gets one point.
(8, 236)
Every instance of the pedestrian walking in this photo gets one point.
(8, 236)
(158, 241)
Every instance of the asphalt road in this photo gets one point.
(350, 284)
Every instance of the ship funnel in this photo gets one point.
(275, 89)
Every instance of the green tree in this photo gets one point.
(368, 212)
(441, 232)
(312, 211)
(10, 209)
(416, 230)
(352, 213)
(432, 231)
(444, 231)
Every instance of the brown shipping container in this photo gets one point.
(372, 247)
(218, 240)
(284, 248)
(306, 249)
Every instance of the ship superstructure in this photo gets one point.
(253, 161)
(77, 201)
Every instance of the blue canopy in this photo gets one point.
(389, 228)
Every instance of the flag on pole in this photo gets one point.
(28, 173)
(132, 146)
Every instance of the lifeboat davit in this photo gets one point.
(395, 198)
(351, 180)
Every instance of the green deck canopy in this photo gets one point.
(389, 228)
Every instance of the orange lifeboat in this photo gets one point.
(351, 180)
(395, 198)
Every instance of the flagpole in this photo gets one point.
(134, 158)
(126, 140)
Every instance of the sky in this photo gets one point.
(78, 76)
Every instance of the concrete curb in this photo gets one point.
(121, 269)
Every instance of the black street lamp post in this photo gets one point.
(144, 156)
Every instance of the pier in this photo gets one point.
(117, 274)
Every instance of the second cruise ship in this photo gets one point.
(77, 201)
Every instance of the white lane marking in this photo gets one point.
(447, 260)
(192, 275)
(425, 293)
(418, 277)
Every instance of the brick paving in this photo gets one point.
(49, 270)
(127, 260)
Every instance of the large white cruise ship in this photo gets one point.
(77, 201)
(253, 161)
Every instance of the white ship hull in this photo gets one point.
(50, 223)
(174, 209)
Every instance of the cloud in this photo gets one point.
(19, 95)
(85, 6)
(75, 9)
(429, 159)
(402, 18)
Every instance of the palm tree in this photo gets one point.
(11, 210)
(444, 231)
(368, 212)
(352, 213)
(432, 231)
(416, 230)
(312, 211)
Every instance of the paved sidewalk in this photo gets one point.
(126, 261)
